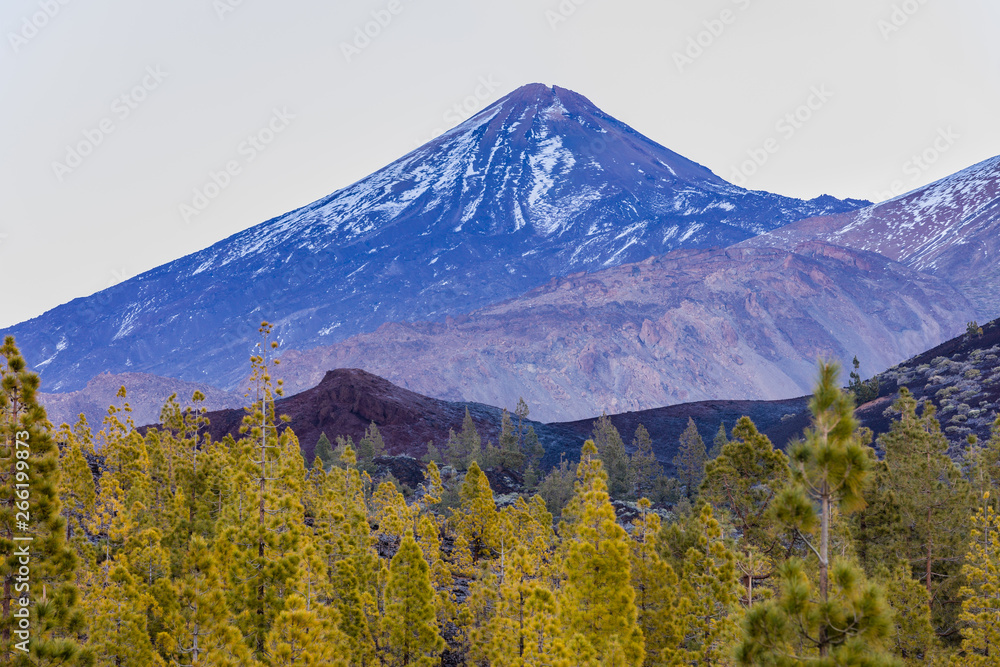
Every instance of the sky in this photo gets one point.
(134, 133)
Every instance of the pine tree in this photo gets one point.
(655, 584)
(863, 390)
(410, 635)
(304, 636)
(370, 447)
(983, 465)
(932, 500)
(718, 442)
(846, 627)
(197, 628)
(511, 456)
(598, 601)
(259, 547)
(392, 514)
(323, 451)
(477, 520)
(32, 528)
(912, 636)
(466, 446)
(745, 480)
(118, 630)
(643, 468)
(77, 494)
(611, 450)
(690, 459)
(704, 624)
(557, 487)
(981, 603)
(842, 623)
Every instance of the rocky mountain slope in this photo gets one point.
(540, 184)
(738, 323)
(960, 377)
(949, 229)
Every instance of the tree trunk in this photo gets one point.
(824, 563)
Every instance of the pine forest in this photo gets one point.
(147, 546)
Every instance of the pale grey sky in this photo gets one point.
(114, 113)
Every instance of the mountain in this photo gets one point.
(949, 229)
(735, 323)
(540, 184)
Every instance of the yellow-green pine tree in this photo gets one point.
(198, 629)
(260, 551)
(77, 492)
(656, 587)
(477, 520)
(705, 623)
(118, 630)
(39, 618)
(597, 598)
(306, 637)
(409, 632)
(981, 593)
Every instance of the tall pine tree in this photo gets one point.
(40, 621)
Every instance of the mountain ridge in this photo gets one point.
(540, 184)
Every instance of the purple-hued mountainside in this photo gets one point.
(748, 322)
(541, 184)
(734, 323)
(949, 229)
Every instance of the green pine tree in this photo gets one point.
(611, 450)
(840, 619)
(324, 451)
(690, 459)
(643, 468)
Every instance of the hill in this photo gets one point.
(960, 377)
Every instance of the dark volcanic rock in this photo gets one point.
(406, 469)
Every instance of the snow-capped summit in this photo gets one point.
(540, 184)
